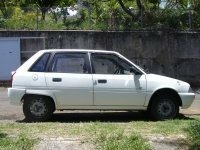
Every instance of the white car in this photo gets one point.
(73, 79)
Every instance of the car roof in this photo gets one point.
(77, 50)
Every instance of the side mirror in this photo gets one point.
(146, 69)
(135, 71)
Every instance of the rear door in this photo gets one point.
(114, 84)
(70, 80)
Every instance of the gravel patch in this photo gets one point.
(167, 142)
(157, 142)
(60, 143)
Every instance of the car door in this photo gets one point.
(70, 80)
(114, 84)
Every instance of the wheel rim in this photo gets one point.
(166, 108)
(38, 107)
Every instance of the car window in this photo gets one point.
(109, 64)
(70, 63)
(40, 65)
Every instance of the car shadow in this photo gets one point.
(103, 116)
(100, 117)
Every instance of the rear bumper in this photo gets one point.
(15, 95)
(187, 99)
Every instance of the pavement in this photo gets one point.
(11, 112)
(194, 109)
(8, 111)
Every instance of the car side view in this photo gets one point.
(75, 79)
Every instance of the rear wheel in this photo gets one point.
(164, 107)
(37, 108)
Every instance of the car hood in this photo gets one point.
(156, 82)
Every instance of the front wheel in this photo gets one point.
(37, 108)
(164, 107)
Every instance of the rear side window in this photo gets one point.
(40, 64)
(70, 63)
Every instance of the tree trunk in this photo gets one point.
(43, 15)
(55, 16)
(140, 6)
(127, 10)
(43, 10)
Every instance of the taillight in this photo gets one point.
(12, 75)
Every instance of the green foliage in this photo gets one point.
(18, 143)
(195, 5)
(6, 7)
(177, 4)
(2, 22)
(99, 15)
(104, 134)
(194, 135)
(21, 20)
(196, 20)
(28, 20)
(170, 19)
(50, 25)
(154, 1)
(118, 141)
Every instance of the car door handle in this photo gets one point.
(103, 81)
(56, 79)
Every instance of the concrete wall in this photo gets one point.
(29, 45)
(175, 54)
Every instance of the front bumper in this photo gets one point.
(187, 99)
(15, 95)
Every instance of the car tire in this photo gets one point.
(164, 107)
(37, 108)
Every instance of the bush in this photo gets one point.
(21, 20)
(2, 22)
(194, 135)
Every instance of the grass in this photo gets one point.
(119, 140)
(89, 128)
(105, 135)
(21, 142)
(194, 135)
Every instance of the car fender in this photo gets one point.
(151, 93)
(43, 93)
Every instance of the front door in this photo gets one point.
(114, 84)
(70, 80)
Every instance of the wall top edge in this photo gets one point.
(133, 31)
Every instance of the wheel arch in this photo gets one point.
(47, 97)
(165, 91)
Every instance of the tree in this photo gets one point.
(127, 10)
(63, 5)
(175, 4)
(195, 4)
(6, 7)
(45, 5)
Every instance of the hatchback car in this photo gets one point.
(66, 79)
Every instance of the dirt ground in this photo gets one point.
(14, 113)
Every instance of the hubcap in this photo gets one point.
(165, 108)
(38, 107)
